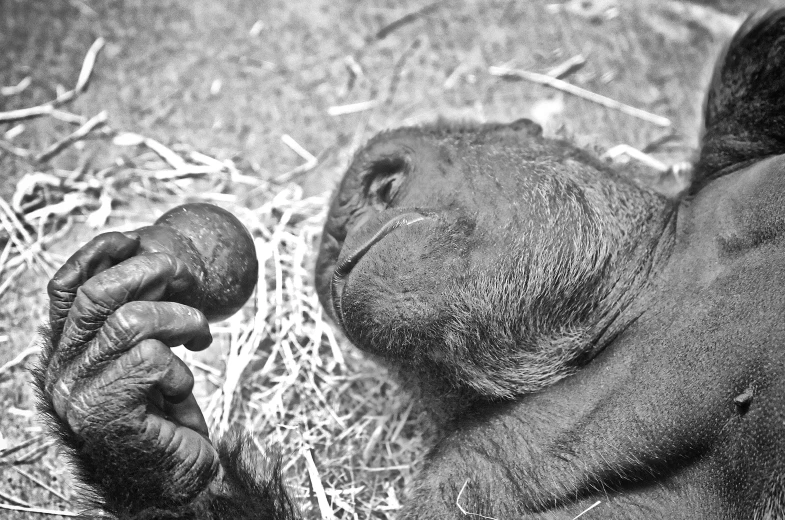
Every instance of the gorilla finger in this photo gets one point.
(146, 277)
(101, 253)
(177, 382)
(197, 462)
(187, 413)
(119, 393)
(171, 323)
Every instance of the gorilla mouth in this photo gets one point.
(342, 270)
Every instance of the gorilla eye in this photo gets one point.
(386, 177)
(386, 191)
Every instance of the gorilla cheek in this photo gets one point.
(395, 295)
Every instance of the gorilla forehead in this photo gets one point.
(510, 154)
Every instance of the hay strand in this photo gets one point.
(558, 84)
(79, 134)
(66, 97)
(20, 87)
(353, 108)
(316, 484)
(38, 510)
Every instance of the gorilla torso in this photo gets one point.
(686, 371)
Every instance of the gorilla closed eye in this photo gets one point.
(385, 178)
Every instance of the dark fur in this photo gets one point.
(745, 110)
(251, 486)
(508, 262)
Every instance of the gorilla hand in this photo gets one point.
(114, 391)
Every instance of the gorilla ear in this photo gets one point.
(744, 112)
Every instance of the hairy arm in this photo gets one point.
(120, 401)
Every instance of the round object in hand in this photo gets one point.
(218, 250)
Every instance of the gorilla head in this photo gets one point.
(492, 255)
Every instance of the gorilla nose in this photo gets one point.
(345, 266)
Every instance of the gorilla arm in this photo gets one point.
(608, 433)
(120, 400)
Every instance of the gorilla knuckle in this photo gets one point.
(60, 398)
(78, 413)
(160, 262)
(151, 353)
(131, 321)
(59, 291)
(97, 298)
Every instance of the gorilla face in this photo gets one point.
(486, 253)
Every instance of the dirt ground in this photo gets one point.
(230, 78)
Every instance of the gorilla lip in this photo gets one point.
(343, 269)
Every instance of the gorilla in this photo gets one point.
(578, 336)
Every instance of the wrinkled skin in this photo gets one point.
(578, 337)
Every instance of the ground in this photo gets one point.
(229, 80)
